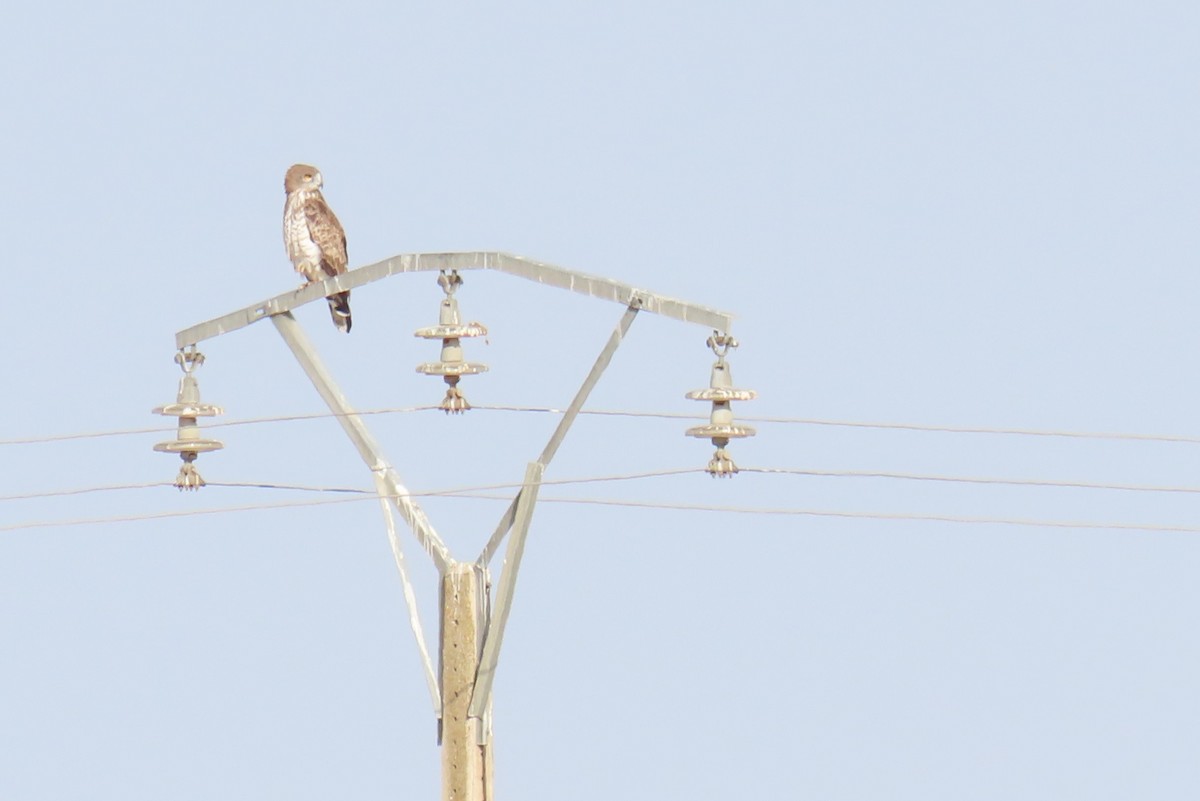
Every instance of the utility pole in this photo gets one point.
(466, 740)
(471, 621)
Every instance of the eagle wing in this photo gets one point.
(327, 233)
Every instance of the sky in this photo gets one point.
(925, 216)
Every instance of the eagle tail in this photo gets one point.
(339, 310)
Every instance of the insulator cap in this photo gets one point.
(188, 410)
(452, 331)
(725, 432)
(720, 387)
(189, 446)
(187, 402)
(452, 368)
(722, 395)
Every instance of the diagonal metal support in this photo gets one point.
(494, 635)
(302, 348)
(410, 597)
(589, 383)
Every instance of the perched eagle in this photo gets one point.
(315, 241)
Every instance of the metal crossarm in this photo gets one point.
(540, 272)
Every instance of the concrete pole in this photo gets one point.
(466, 746)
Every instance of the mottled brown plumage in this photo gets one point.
(315, 240)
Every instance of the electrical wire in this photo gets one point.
(93, 521)
(793, 471)
(287, 418)
(553, 482)
(309, 488)
(484, 492)
(1010, 482)
(710, 508)
(947, 429)
(47, 438)
(260, 485)
(811, 421)
(918, 517)
(149, 484)
(83, 490)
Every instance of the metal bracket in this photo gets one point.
(539, 272)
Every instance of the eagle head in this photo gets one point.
(302, 177)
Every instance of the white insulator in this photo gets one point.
(188, 442)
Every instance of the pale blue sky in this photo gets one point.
(965, 214)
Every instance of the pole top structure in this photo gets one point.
(539, 272)
(472, 622)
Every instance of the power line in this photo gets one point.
(120, 432)
(1007, 521)
(1011, 482)
(710, 508)
(812, 421)
(261, 485)
(947, 429)
(154, 484)
(357, 490)
(46, 438)
(83, 490)
(551, 482)
(791, 471)
(92, 521)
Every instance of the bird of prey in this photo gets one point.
(315, 241)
